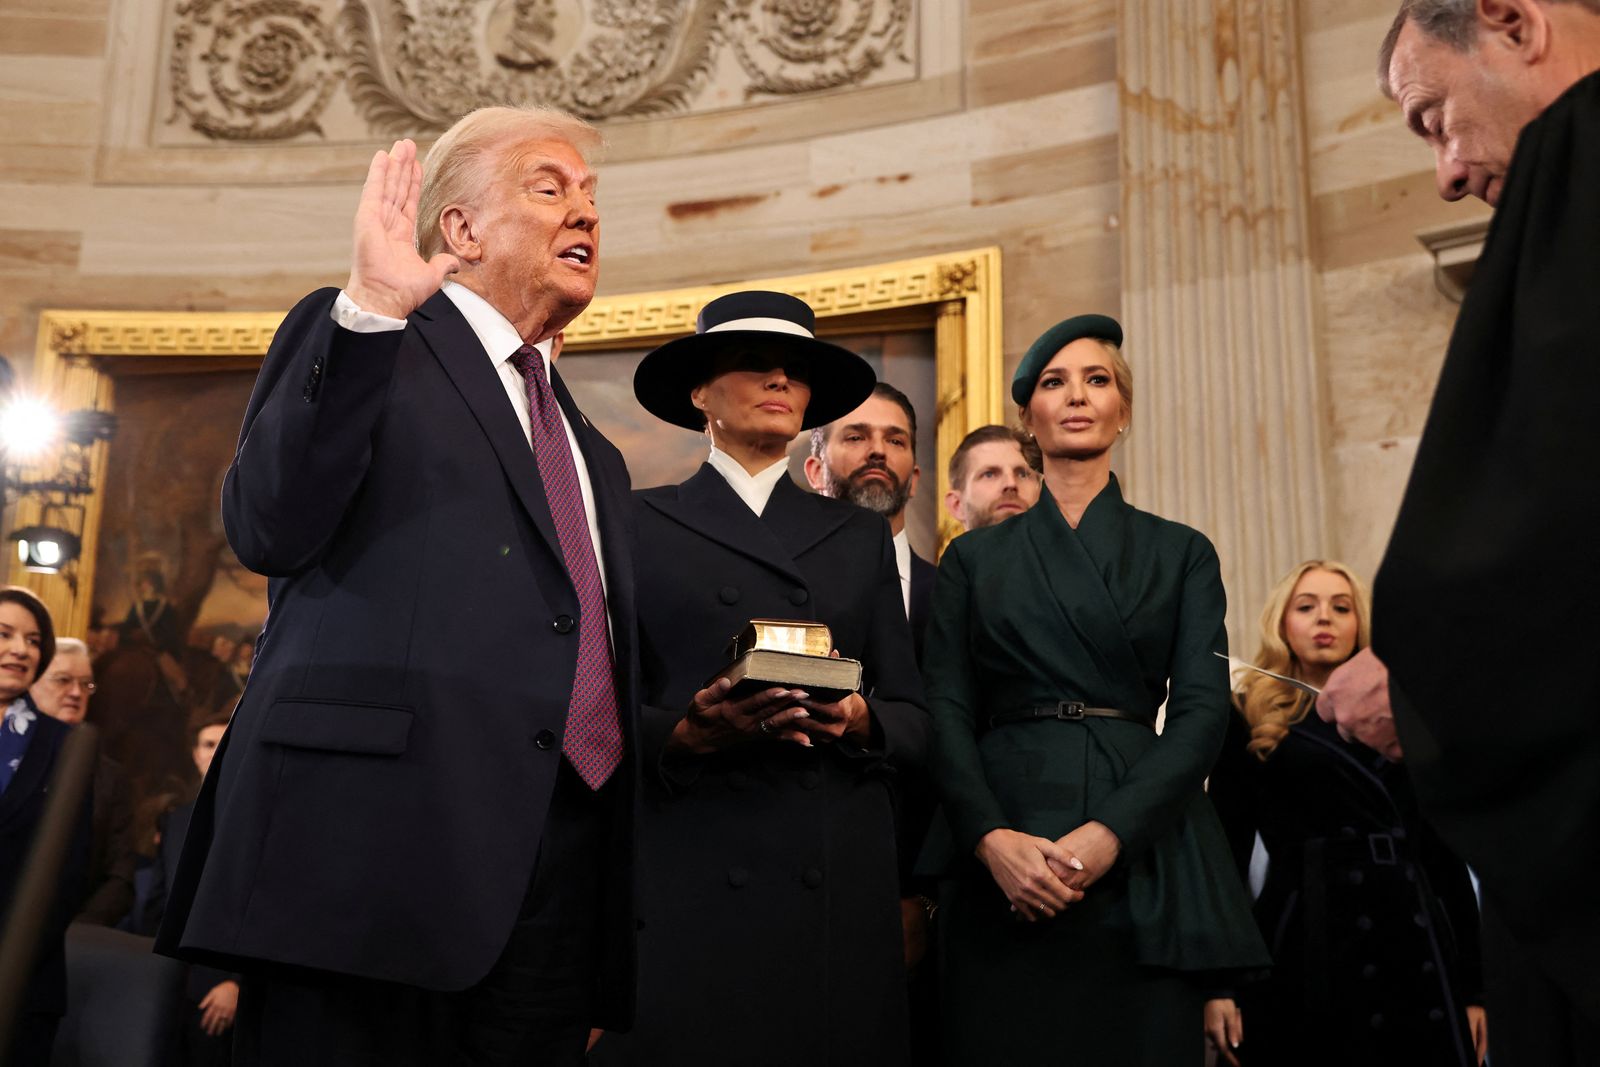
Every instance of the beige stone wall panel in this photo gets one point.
(1218, 285)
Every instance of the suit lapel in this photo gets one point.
(608, 478)
(798, 519)
(446, 333)
(1077, 584)
(707, 504)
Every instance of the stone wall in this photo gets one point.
(995, 122)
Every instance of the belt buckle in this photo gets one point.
(1070, 710)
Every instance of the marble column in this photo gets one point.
(1217, 294)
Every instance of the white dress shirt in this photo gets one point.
(500, 342)
(754, 489)
(902, 563)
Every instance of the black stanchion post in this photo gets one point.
(35, 898)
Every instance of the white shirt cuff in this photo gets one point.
(351, 317)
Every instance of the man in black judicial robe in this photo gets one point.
(1482, 613)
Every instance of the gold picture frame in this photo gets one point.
(81, 354)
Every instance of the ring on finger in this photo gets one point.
(766, 726)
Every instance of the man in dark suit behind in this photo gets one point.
(869, 458)
(416, 840)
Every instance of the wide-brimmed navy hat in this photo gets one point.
(759, 322)
(1053, 340)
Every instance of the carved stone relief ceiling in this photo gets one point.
(268, 70)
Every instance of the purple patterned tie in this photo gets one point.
(593, 737)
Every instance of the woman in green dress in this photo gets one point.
(1094, 900)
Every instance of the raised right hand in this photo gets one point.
(1020, 865)
(713, 722)
(387, 275)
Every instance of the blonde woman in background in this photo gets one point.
(1372, 923)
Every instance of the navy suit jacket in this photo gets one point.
(377, 803)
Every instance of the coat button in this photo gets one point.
(1436, 1015)
(812, 878)
(728, 594)
(1428, 967)
(543, 740)
(1364, 923)
(1376, 1022)
(562, 624)
(738, 877)
(1421, 919)
(1354, 877)
(810, 780)
(798, 597)
(738, 781)
(1369, 970)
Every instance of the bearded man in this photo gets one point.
(869, 458)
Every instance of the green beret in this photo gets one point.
(1053, 340)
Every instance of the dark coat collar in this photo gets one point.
(1078, 564)
(793, 522)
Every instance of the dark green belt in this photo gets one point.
(1069, 710)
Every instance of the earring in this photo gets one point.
(1122, 429)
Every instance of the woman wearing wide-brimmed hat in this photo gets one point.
(769, 897)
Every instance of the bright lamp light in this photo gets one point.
(46, 549)
(28, 428)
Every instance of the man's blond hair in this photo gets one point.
(461, 163)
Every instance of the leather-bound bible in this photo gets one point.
(773, 653)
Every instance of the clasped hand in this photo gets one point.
(714, 722)
(1040, 877)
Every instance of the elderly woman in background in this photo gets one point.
(769, 893)
(1372, 922)
(1093, 897)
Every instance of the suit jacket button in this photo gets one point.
(562, 624)
(1428, 967)
(543, 740)
(1369, 970)
(1376, 1021)
(1436, 1015)
(1364, 923)
(812, 878)
(728, 594)
(798, 597)
(810, 780)
(738, 781)
(738, 877)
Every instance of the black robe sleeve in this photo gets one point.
(1482, 603)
